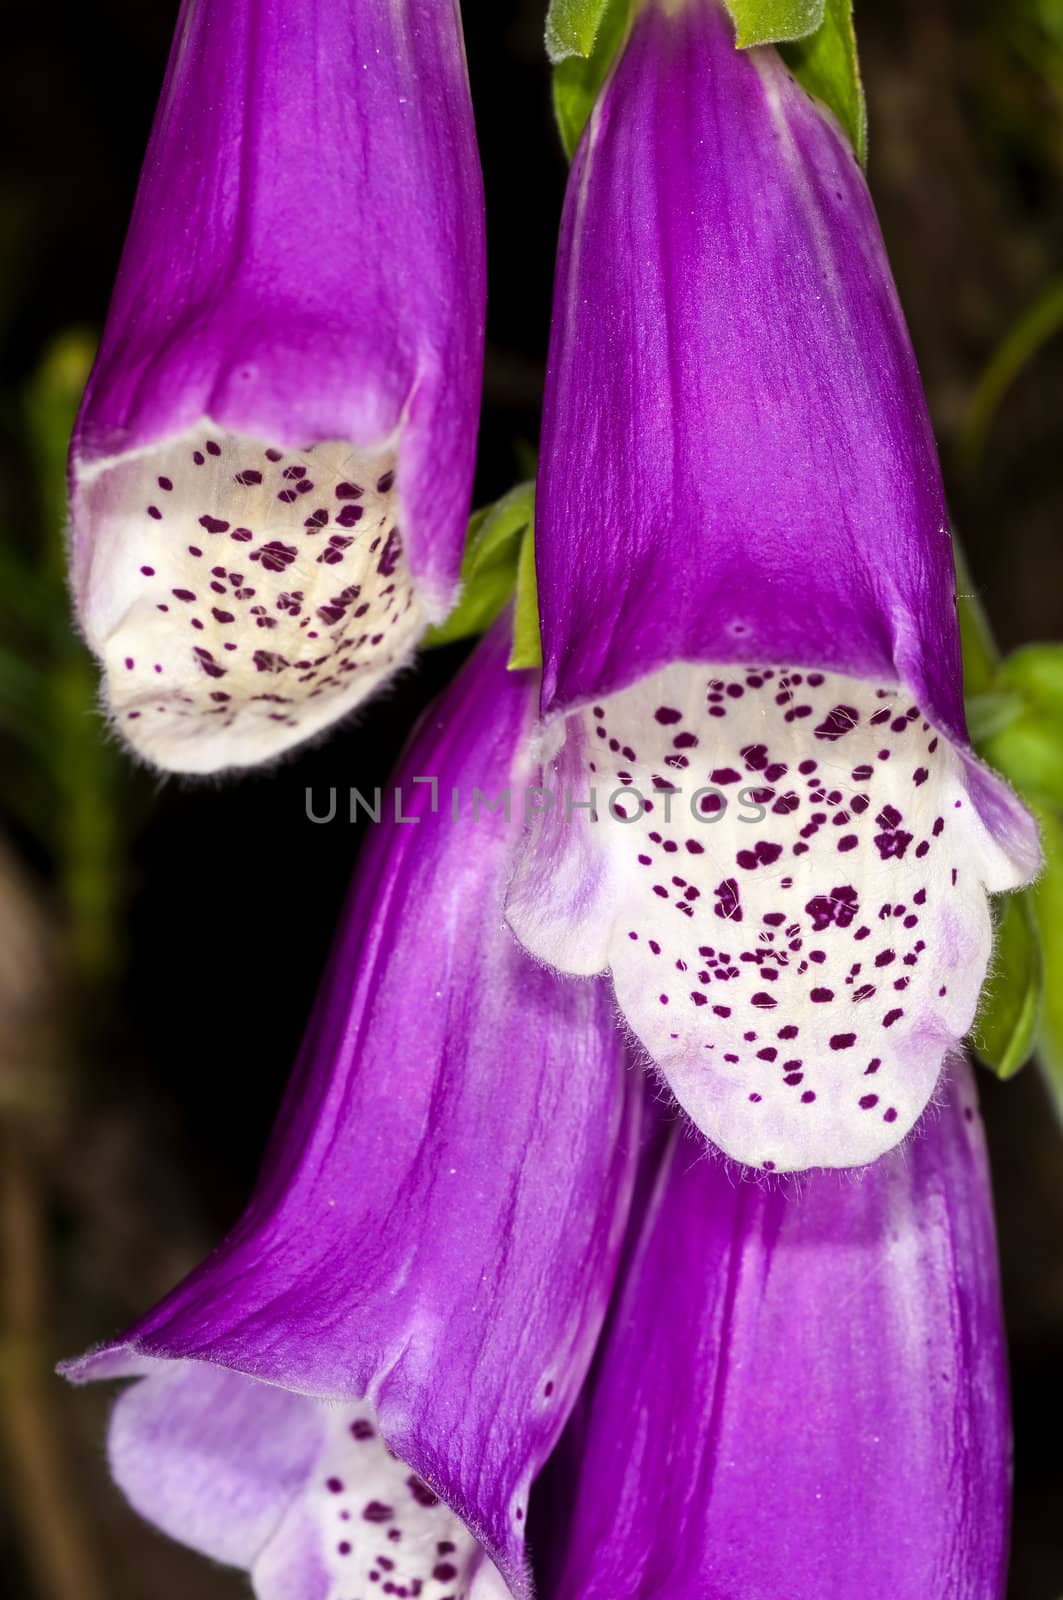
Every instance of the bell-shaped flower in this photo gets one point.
(749, 624)
(272, 466)
(802, 1390)
(358, 1387)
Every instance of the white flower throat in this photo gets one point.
(242, 597)
(794, 911)
(382, 1531)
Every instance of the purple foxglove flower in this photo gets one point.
(748, 618)
(360, 1384)
(802, 1390)
(272, 467)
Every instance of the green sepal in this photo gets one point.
(489, 567)
(578, 76)
(572, 27)
(67, 781)
(1047, 896)
(816, 37)
(826, 64)
(527, 641)
(1009, 1016)
(772, 21)
(52, 400)
(23, 686)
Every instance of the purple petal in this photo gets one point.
(178, 1447)
(305, 1496)
(274, 455)
(738, 396)
(802, 1392)
(737, 462)
(436, 1227)
(746, 586)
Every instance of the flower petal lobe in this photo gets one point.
(243, 597)
(789, 889)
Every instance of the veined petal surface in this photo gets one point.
(802, 1390)
(436, 1228)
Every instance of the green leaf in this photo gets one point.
(572, 27)
(1036, 673)
(769, 21)
(527, 643)
(826, 64)
(489, 567)
(52, 399)
(578, 77)
(1029, 752)
(1047, 896)
(499, 562)
(1005, 1032)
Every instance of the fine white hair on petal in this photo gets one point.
(786, 877)
(381, 1530)
(241, 597)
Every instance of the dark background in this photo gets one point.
(132, 1111)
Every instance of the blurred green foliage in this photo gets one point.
(1026, 745)
(1016, 350)
(1023, 42)
(1015, 705)
(1015, 713)
(65, 784)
